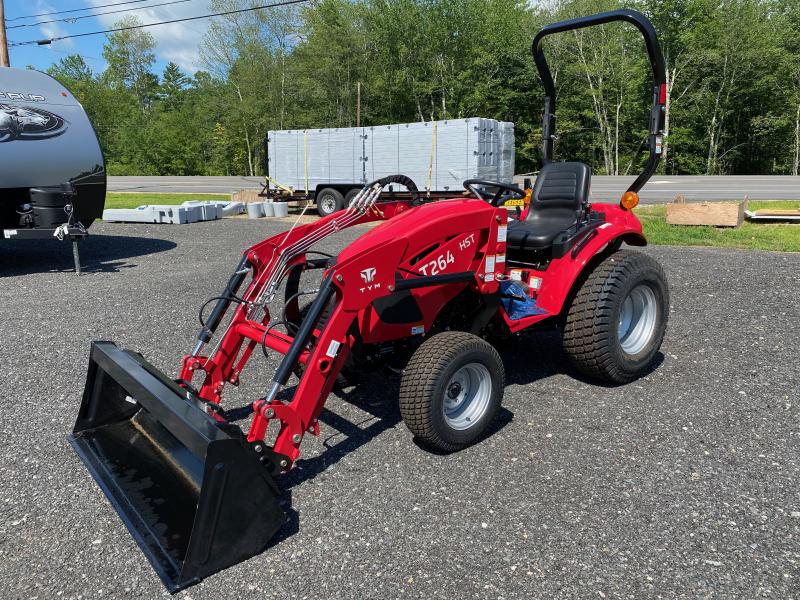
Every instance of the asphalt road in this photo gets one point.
(683, 484)
(659, 189)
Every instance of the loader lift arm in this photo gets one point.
(270, 262)
(319, 351)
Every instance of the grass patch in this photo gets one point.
(128, 200)
(780, 237)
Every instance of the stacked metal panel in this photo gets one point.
(437, 155)
(507, 152)
(306, 158)
(191, 211)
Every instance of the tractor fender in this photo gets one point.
(564, 273)
(633, 239)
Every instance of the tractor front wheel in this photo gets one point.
(617, 320)
(451, 390)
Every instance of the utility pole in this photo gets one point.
(4, 62)
(358, 100)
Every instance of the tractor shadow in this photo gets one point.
(292, 523)
(377, 396)
(373, 396)
(539, 354)
(99, 254)
(527, 358)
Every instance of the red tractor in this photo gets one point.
(426, 288)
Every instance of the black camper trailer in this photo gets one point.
(52, 172)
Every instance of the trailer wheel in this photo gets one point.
(329, 201)
(348, 197)
(617, 320)
(451, 390)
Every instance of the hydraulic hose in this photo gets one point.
(400, 180)
(224, 301)
(326, 292)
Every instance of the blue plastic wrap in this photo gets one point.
(516, 301)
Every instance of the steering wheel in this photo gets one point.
(504, 191)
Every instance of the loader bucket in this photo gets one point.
(195, 498)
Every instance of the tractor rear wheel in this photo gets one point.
(451, 390)
(616, 322)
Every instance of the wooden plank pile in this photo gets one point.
(716, 214)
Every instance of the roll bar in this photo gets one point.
(656, 130)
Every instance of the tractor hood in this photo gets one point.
(431, 223)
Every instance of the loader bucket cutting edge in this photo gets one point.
(195, 498)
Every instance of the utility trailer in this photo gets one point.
(52, 172)
(329, 166)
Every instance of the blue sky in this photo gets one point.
(176, 42)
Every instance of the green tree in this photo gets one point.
(130, 57)
(173, 86)
(733, 82)
(72, 68)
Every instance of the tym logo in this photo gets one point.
(368, 275)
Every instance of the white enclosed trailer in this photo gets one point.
(330, 165)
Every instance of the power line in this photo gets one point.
(82, 55)
(110, 12)
(219, 14)
(63, 12)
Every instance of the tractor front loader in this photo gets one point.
(423, 291)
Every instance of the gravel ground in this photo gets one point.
(683, 484)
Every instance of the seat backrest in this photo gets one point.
(562, 185)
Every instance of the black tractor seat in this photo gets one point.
(560, 201)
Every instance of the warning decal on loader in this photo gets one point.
(502, 234)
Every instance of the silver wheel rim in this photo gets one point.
(466, 396)
(637, 319)
(328, 204)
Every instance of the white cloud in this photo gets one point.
(51, 30)
(176, 42)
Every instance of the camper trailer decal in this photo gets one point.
(24, 123)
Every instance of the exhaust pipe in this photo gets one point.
(191, 490)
